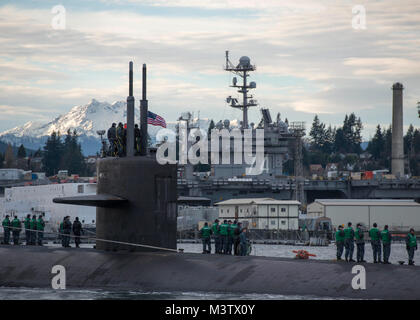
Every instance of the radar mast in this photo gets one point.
(242, 70)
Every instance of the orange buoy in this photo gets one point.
(303, 254)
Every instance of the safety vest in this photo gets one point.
(339, 236)
(233, 227)
(348, 234)
(224, 229)
(33, 224)
(385, 236)
(6, 222)
(412, 240)
(373, 234)
(40, 225)
(205, 232)
(27, 223)
(16, 224)
(359, 234)
(215, 228)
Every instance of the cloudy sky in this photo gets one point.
(309, 57)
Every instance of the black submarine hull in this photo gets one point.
(186, 272)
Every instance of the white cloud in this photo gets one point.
(309, 59)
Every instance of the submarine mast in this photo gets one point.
(242, 70)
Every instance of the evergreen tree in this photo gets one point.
(357, 136)
(352, 129)
(340, 144)
(317, 134)
(376, 146)
(415, 161)
(9, 157)
(386, 160)
(21, 152)
(52, 154)
(37, 153)
(329, 140)
(72, 158)
(409, 140)
(416, 141)
(1, 160)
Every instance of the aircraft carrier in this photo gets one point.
(282, 142)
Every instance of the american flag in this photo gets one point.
(156, 120)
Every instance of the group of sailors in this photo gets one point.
(117, 138)
(34, 230)
(229, 237)
(65, 230)
(346, 238)
(33, 227)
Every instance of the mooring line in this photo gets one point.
(103, 240)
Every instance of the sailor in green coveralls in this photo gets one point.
(360, 243)
(386, 244)
(205, 233)
(216, 235)
(6, 230)
(27, 224)
(224, 236)
(375, 240)
(16, 229)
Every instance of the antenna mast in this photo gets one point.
(242, 70)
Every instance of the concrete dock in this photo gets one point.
(161, 271)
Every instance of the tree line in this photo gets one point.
(63, 155)
(10, 155)
(342, 145)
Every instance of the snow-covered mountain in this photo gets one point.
(86, 120)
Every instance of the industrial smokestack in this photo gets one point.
(143, 116)
(397, 130)
(130, 114)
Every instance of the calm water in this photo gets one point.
(48, 294)
(398, 252)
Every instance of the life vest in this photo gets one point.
(373, 234)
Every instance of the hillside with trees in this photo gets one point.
(342, 145)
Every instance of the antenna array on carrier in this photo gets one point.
(242, 70)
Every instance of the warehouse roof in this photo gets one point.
(258, 201)
(182, 198)
(366, 202)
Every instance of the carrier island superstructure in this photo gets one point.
(282, 142)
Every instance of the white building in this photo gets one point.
(20, 201)
(399, 215)
(190, 217)
(261, 213)
(11, 174)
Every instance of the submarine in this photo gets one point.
(136, 245)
